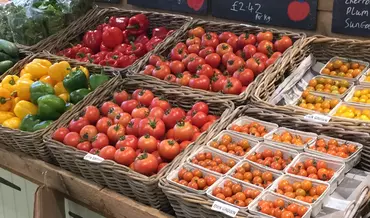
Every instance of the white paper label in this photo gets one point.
(337, 204)
(317, 118)
(93, 158)
(224, 208)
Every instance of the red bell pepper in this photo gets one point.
(121, 48)
(104, 48)
(137, 49)
(138, 24)
(110, 63)
(93, 39)
(83, 52)
(128, 37)
(153, 42)
(102, 27)
(75, 49)
(120, 22)
(112, 37)
(143, 39)
(132, 58)
(113, 55)
(160, 32)
(123, 61)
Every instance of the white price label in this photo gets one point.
(224, 208)
(93, 158)
(317, 118)
(337, 204)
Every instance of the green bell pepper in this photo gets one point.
(42, 125)
(28, 122)
(97, 80)
(39, 89)
(78, 95)
(75, 80)
(50, 107)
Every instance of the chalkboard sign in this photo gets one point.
(187, 6)
(351, 17)
(299, 14)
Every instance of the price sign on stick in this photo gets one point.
(299, 14)
(188, 6)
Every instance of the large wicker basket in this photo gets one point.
(31, 142)
(118, 177)
(217, 27)
(76, 30)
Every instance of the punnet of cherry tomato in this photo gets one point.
(119, 42)
(219, 62)
(139, 130)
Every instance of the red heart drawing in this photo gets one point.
(298, 10)
(196, 5)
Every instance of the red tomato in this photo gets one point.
(189, 58)
(249, 51)
(262, 57)
(256, 66)
(122, 118)
(115, 132)
(75, 125)
(156, 112)
(232, 86)
(266, 47)
(145, 97)
(92, 114)
(206, 51)
(234, 63)
(146, 164)
(161, 166)
(200, 106)
(127, 141)
(169, 149)
(206, 126)
(246, 39)
(192, 40)
(178, 53)
(140, 112)
(94, 151)
(125, 156)
(244, 75)
(170, 78)
(276, 55)
(197, 31)
(223, 37)
(210, 39)
(283, 44)
(88, 132)
(226, 57)
(184, 144)
(114, 111)
(84, 146)
(100, 141)
(199, 119)
(147, 143)
(270, 61)
(213, 60)
(103, 124)
(240, 53)
(108, 152)
(265, 36)
(158, 102)
(129, 105)
(183, 78)
(106, 106)
(233, 42)
(149, 69)
(199, 82)
(157, 156)
(194, 64)
(172, 116)
(72, 139)
(183, 131)
(177, 67)
(161, 71)
(194, 48)
(121, 96)
(133, 127)
(195, 136)
(211, 118)
(153, 59)
(136, 93)
(170, 134)
(152, 126)
(60, 133)
(181, 45)
(218, 82)
(205, 70)
(223, 48)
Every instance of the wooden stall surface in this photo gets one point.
(97, 198)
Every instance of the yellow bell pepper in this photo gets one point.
(23, 108)
(36, 70)
(12, 123)
(59, 88)
(47, 79)
(59, 70)
(64, 96)
(4, 115)
(5, 100)
(9, 82)
(14, 102)
(26, 76)
(22, 73)
(43, 62)
(83, 69)
(23, 88)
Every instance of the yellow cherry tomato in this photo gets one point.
(12, 123)
(5, 99)
(83, 69)
(23, 108)
(23, 88)
(59, 70)
(43, 62)
(59, 88)
(4, 115)
(36, 70)
(47, 79)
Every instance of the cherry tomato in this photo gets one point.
(60, 133)
(233, 42)
(260, 56)
(125, 156)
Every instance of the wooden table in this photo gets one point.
(95, 197)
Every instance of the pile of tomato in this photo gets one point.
(270, 158)
(213, 162)
(227, 145)
(281, 209)
(290, 138)
(139, 130)
(333, 147)
(223, 62)
(253, 128)
(194, 179)
(312, 169)
(255, 176)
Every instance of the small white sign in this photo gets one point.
(319, 118)
(337, 204)
(93, 158)
(224, 208)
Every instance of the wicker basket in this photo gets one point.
(217, 27)
(31, 142)
(76, 30)
(118, 177)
